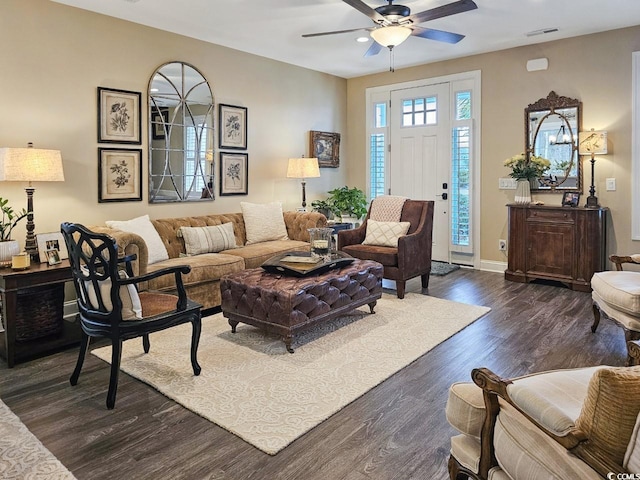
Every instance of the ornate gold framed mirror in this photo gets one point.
(551, 131)
(181, 135)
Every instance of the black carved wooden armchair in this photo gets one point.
(109, 303)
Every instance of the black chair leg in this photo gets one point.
(145, 343)
(116, 355)
(400, 284)
(84, 347)
(195, 340)
(425, 280)
(596, 318)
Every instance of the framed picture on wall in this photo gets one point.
(119, 175)
(233, 127)
(325, 147)
(119, 116)
(234, 173)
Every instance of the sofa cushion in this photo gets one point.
(212, 239)
(143, 227)
(621, 290)
(256, 254)
(385, 234)
(205, 268)
(465, 408)
(263, 222)
(610, 410)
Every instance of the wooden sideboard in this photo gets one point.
(564, 244)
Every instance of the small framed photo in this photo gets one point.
(119, 118)
(325, 147)
(570, 199)
(53, 257)
(234, 173)
(119, 175)
(47, 242)
(233, 127)
(159, 118)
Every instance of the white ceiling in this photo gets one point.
(273, 28)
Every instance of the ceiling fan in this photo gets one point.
(394, 23)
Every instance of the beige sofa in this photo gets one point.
(203, 282)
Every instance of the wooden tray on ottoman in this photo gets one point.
(288, 305)
(279, 266)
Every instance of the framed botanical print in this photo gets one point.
(233, 127)
(119, 116)
(325, 147)
(234, 173)
(119, 175)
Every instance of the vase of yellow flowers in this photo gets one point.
(524, 170)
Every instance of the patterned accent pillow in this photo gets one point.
(211, 239)
(385, 234)
(143, 227)
(610, 410)
(263, 222)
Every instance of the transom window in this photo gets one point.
(419, 111)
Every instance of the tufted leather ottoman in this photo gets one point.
(288, 305)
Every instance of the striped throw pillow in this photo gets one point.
(210, 239)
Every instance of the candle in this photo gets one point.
(22, 261)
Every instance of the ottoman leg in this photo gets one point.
(233, 324)
(372, 305)
(287, 342)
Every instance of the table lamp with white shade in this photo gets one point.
(303, 168)
(30, 165)
(592, 143)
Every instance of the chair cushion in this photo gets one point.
(385, 234)
(143, 227)
(619, 289)
(387, 256)
(263, 222)
(553, 399)
(632, 322)
(610, 409)
(465, 408)
(211, 239)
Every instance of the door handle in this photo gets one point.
(444, 196)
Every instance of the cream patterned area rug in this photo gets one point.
(252, 387)
(22, 456)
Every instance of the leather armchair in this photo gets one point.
(411, 258)
(575, 423)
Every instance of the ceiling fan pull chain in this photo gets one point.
(391, 66)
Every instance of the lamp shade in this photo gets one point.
(592, 142)
(303, 168)
(391, 36)
(30, 165)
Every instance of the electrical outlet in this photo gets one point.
(611, 184)
(502, 245)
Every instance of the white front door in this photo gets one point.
(420, 156)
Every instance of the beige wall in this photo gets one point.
(52, 59)
(604, 87)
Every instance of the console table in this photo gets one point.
(26, 290)
(564, 244)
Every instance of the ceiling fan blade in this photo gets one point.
(374, 49)
(437, 35)
(443, 11)
(308, 35)
(366, 9)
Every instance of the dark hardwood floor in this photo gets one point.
(397, 430)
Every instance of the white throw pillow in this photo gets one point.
(131, 305)
(263, 222)
(385, 234)
(143, 227)
(210, 239)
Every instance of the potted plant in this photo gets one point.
(324, 207)
(10, 219)
(348, 202)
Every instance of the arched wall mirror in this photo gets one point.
(551, 131)
(181, 135)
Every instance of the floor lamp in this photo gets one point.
(592, 143)
(303, 168)
(30, 165)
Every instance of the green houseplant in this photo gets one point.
(348, 202)
(324, 207)
(10, 219)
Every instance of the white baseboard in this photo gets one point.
(493, 266)
(70, 309)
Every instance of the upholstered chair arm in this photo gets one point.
(414, 250)
(298, 224)
(619, 260)
(354, 236)
(177, 270)
(128, 244)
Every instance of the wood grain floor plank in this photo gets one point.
(396, 431)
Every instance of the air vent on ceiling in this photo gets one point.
(542, 31)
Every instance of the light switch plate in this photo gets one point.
(611, 184)
(507, 183)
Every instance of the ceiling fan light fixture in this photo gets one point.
(390, 36)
